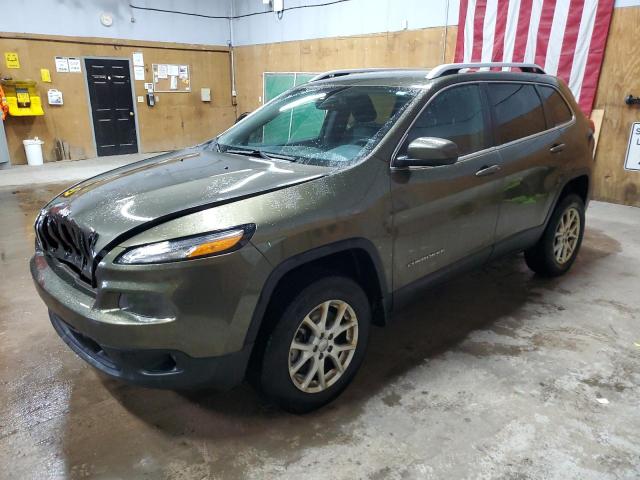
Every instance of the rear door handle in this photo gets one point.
(484, 171)
(557, 148)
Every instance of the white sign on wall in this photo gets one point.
(632, 161)
(62, 64)
(74, 65)
(138, 59)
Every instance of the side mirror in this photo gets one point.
(428, 152)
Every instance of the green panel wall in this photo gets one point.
(299, 124)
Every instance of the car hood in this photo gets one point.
(163, 187)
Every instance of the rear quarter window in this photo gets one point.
(557, 109)
(517, 111)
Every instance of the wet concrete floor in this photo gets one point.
(497, 374)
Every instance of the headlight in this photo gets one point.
(188, 248)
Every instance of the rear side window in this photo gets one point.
(555, 106)
(455, 114)
(517, 109)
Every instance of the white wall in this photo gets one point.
(355, 17)
(82, 18)
(627, 3)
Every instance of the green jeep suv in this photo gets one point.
(268, 252)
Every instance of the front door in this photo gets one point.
(112, 106)
(445, 215)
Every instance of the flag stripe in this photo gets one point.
(544, 30)
(582, 49)
(489, 30)
(510, 31)
(596, 53)
(478, 24)
(556, 36)
(522, 32)
(572, 31)
(459, 55)
(468, 31)
(566, 37)
(502, 7)
(532, 35)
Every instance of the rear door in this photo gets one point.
(442, 215)
(531, 152)
(112, 110)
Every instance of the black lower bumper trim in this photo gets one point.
(156, 368)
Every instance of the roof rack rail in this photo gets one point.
(453, 68)
(352, 71)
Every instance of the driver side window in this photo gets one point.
(455, 114)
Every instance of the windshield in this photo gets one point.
(319, 125)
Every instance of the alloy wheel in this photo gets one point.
(566, 236)
(323, 346)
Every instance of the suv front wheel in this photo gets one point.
(556, 251)
(317, 345)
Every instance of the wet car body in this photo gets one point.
(192, 323)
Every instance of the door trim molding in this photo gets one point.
(133, 98)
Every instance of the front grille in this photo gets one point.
(64, 240)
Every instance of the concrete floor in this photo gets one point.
(495, 375)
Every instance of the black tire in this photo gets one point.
(274, 379)
(541, 257)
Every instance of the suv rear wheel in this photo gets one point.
(556, 251)
(317, 345)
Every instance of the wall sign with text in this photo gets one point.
(632, 160)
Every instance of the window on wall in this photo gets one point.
(517, 109)
(455, 114)
(555, 106)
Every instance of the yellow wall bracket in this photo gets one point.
(23, 98)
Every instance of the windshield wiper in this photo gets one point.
(258, 153)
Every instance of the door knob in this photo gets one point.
(131, 114)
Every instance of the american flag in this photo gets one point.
(565, 37)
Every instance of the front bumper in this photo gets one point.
(155, 368)
(203, 345)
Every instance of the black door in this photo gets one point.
(112, 106)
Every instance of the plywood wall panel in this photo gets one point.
(410, 48)
(177, 120)
(620, 76)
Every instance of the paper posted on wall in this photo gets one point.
(55, 97)
(138, 59)
(75, 65)
(173, 70)
(138, 73)
(162, 70)
(62, 64)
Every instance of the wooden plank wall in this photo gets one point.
(409, 48)
(177, 120)
(620, 76)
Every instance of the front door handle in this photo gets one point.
(557, 148)
(488, 170)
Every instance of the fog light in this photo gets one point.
(152, 306)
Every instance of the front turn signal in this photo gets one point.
(187, 248)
